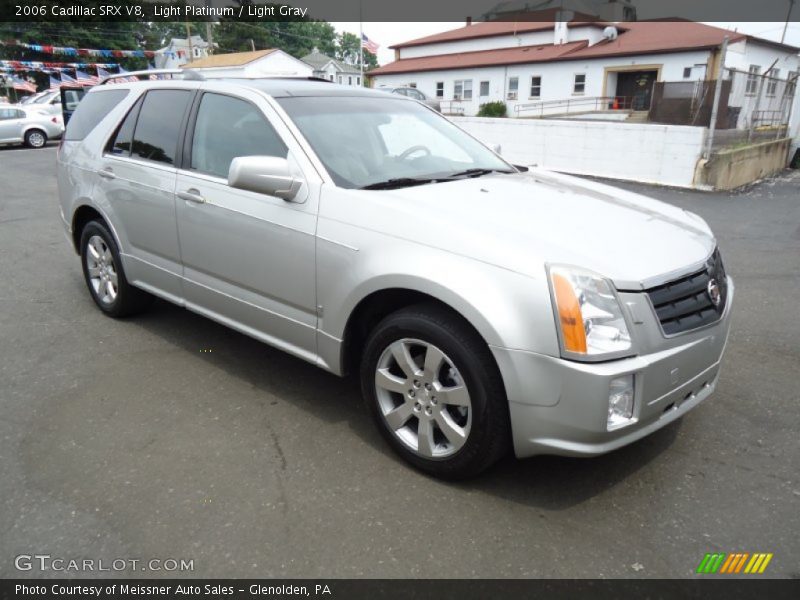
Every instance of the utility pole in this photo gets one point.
(712, 126)
(189, 40)
(209, 31)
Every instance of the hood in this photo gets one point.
(521, 222)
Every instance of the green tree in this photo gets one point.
(348, 48)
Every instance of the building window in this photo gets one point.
(752, 80)
(513, 88)
(484, 88)
(772, 82)
(462, 89)
(349, 80)
(440, 89)
(330, 77)
(358, 80)
(579, 86)
(536, 86)
(687, 72)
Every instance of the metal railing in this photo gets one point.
(451, 107)
(567, 105)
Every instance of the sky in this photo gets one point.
(387, 34)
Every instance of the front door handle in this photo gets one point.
(192, 195)
(107, 173)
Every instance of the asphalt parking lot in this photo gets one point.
(169, 436)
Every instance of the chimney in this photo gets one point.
(469, 21)
(560, 28)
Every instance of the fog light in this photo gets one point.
(620, 402)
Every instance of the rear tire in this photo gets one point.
(35, 138)
(104, 276)
(435, 392)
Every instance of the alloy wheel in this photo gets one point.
(423, 398)
(102, 270)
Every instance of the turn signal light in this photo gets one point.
(569, 313)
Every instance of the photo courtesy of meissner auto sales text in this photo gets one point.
(445, 300)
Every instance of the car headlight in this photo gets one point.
(588, 314)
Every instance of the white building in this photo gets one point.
(180, 51)
(260, 63)
(530, 63)
(331, 69)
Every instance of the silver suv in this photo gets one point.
(484, 306)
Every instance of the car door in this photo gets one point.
(248, 258)
(10, 125)
(70, 97)
(136, 186)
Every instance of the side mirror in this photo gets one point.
(496, 148)
(264, 175)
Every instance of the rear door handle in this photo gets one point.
(192, 195)
(107, 173)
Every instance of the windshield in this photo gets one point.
(363, 141)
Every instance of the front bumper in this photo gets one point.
(561, 407)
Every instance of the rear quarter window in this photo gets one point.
(92, 109)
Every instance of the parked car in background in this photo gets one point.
(32, 98)
(47, 103)
(484, 306)
(414, 94)
(19, 125)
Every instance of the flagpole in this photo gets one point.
(361, 43)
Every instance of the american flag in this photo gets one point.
(85, 78)
(368, 45)
(66, 79)
(131, 79)
(22, 85)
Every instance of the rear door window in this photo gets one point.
(91, 110)
(159, 125)
(121, 143)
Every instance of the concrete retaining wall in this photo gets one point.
(650, 153)
(731, 168)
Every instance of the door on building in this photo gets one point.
(636, 87)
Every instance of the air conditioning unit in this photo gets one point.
(511, 96)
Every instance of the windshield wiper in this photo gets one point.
(409, 181)
(400, 182)
(478, 172)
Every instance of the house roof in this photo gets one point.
(319, 61)
(481, 58)
(234, 59)
(638, 37)
(197, 42)
(491, 29)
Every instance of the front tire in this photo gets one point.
(435, 392)
(104, 276)
(35, 138)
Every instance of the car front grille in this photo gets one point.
(686, 303)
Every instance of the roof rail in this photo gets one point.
(187, 74)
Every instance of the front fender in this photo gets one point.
(508, 309)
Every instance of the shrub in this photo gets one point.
(492, 109)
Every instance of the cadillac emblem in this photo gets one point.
(713, 292)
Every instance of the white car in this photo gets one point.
(48, 103)
(32, 128)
